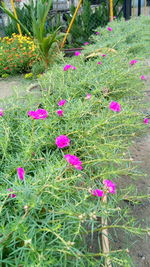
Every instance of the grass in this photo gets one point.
(54, 214)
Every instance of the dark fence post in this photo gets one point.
(127, 9)
(139, 7)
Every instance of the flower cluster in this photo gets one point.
(109, 187)
(67, 67)
(21, 173)
(17, 54)
(109, 29)
(115, 106)
(61, 103)
(133, 62)
(1, 112)
(74, 161)
(146, 121)
(38, 114)
(62, 141)
(86, 43)
(77, 53)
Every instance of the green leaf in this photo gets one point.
(11, 15)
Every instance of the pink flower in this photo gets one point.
(99, 63)
(86, 43)
(146, 120)
(97, 33)
(74, 161)
(143, 77)
(11, 195)
(21, 173)
(1, 112)
(134, 61)
(109, 29)
(60, 112)
(73, 68)
(103, 55)
(97, 192)
(62, 102)
(115, 106)
(77, 53)
(110, 186)
(38, 114)
(67, 67)
(62, 141)
(41, 114)
(88, 96)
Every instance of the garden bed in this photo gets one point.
(51, 213)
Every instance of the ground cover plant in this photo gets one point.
(62, 154)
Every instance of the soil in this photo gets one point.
(13, 87)
(139, 247)
(140, 152)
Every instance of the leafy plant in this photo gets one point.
(48, 44)
(38, 67)
(17, 54)
(54, 220)
(87, 21)
(24, 16)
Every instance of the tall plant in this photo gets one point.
(87, 21)
(47, 43)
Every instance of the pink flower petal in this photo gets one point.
(103, 55)
(74, 161)
(86, 43)
(73, 68)
(60, 112)
(38, 114)
(62, 102)
(110, 186)
(146, 121)
(132, 62)
(1, 112)
(21, 173)
(88, 96)
(99, 63)
(115, 106)
(77, 53)
(109, 29)
(67, 67)
(62, 141)
(143, 78)
(97, 192)
(11, 195)
(97, 33)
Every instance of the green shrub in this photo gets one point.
(54, 218)
(17, 54)
(38, 67)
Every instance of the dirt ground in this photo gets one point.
(13, 85)
(139, 247)
(140, 151)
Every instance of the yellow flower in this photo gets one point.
(28, 75)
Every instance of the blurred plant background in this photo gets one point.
(90, 16)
